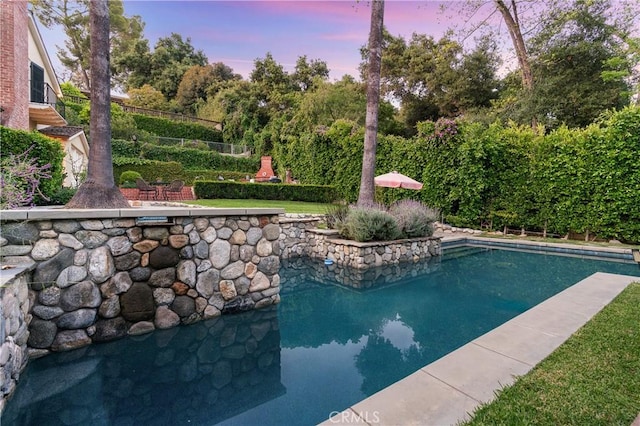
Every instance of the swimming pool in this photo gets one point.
(330, 343)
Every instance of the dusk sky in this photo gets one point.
(238, 32)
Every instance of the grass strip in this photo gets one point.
(288, 206)
(592, 379)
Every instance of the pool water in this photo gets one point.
(329, 344)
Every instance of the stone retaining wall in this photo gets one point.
(14, 324)
(100, 279)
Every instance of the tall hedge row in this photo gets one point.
(172, 129)
(44, 149)
(190, 158)
(578, 180)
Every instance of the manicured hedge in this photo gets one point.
(172, 129)
(265, 191)
(152, 170)
(193, 175)
(191, 159)
(45, 150)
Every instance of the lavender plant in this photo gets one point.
(335, 215)
(414, 219)
(369, 224)
(20, 178)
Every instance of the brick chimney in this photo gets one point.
(265, 171)
(14, 66)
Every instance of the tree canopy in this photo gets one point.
(125, 33)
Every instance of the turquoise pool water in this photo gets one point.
(336, 338)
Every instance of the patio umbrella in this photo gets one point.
(397, 180)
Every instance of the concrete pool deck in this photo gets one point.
(448, 390)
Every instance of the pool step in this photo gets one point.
(454, 252)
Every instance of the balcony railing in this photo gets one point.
(43, 93)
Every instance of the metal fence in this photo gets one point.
(174, 116)
(171, 116)
(222, 148)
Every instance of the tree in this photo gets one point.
(582, 59)
(73, 17)
(365, 197)
(99, 189)
(201, 82)
(328, 102)
(307, 73)
(512, 21)
(193, 87)
(572, 54)
(163, 68)
(435, 78)
(529, 22)
(147, 97)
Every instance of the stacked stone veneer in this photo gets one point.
(300, 238)
(97, 280)
(368, 255)
(294, 239)
(14, 323)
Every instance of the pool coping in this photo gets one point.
(609, 253)
(132, 212)
(448, 390)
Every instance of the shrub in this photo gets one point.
(264, 191)
(19, 180)
(150, 170)
(370, 225)
(171, 129)
(413, 218)
(128, 177)
(42, 149)
(190, 158)
(336, 214)
(194, 175)
(62, 196)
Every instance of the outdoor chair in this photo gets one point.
(174, 190)
(145, 189)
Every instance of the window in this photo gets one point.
(37, 83)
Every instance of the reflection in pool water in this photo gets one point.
(333, 341)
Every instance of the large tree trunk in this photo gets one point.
(513, 25)
(365, 197)
(99, 190)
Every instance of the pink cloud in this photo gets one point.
(212, 35)
(356, 36)
(334, 11)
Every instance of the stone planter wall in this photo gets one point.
(326, 244)
(14, 329)
(294, 239)
(100, 279)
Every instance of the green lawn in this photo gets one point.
(592, 379)
(288, 206)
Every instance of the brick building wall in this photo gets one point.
(14, 65)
